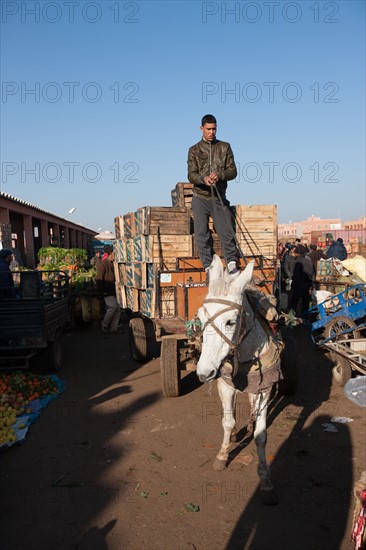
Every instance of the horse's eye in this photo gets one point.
(230, 323)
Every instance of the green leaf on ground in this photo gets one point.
(155, 456)
(192, 507)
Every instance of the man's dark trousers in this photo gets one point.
(220, 214)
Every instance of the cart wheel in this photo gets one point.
(289, 367)
(338, 325)
(342, 370)
(141, 336)
(169, 367)
(51, 358)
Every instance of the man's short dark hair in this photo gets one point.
(208, 119)
(108, 249)
(313, 247)
(300, 249)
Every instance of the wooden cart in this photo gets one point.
(160, 278)
(179, 295)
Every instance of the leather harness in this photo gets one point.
(241, 334)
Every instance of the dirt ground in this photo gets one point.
(111, 464)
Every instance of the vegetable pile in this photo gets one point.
(19, 391)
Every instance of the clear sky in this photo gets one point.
(102, 99)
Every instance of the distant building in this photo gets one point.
(27, 227)
(356, 224)
(293, 230)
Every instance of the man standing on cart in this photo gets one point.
(210, 166)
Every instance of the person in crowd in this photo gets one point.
(105, 281)
(337, 250)
(7, 289)
(302, 280)
(210, 166)
(14, 264)
(299, 241)
(289, 263)
(96, 259)
(105, 251)
(315, 255)
(285, 252)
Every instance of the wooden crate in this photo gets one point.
(151, 275)
(147, 300)
(130, 251)
(120, 253)
(118, 227)
(139, 221)
(121, 295)
(182, 194)
(215, 245)
(132, 298)
(170, 247)
(167, 219)
(142, 248)
(129, 225)
(256, 229)
(116, 273)
(122, 273)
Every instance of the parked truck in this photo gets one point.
(31, 324)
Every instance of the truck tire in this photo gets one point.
(51, 358)
(141, 337)
(169, 367)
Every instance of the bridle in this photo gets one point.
(240, 331)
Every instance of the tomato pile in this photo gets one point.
(17, 390)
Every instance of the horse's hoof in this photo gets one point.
(270, 497)
(219, 465)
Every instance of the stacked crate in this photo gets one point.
(256, 229)
(149, 240)
(255, 225)
(182, 194)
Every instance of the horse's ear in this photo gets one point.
(240, 282)
(216, 270)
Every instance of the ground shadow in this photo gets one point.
(312, 471)
(58, 482)
(189, 383)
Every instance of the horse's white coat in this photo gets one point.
(215, 350)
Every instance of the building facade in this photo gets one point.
(26, 228)
(356, 224)
(303, 229)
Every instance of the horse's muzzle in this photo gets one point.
(207, 378)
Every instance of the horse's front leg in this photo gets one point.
(259, 404)
(228, 398)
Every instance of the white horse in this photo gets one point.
(230, 326)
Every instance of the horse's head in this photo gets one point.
(219, 316)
